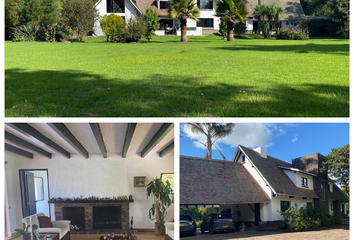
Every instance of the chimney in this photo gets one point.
(262, 151)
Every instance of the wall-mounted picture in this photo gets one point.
(139, 181)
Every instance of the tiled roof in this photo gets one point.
(292, 8)
(204, 181)
(275, 176)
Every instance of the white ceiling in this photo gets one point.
(113, 137)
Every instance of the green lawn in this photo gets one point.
(250, 77)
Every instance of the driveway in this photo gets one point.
(334, 233)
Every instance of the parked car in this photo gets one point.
(218, 222)
(187, 225)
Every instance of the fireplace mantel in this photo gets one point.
(95, 201)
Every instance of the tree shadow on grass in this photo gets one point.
(81, 94)
(338, 49)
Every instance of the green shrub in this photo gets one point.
(321, 27)
(306, 218)
(135, 30)
(223, 29)
(113, 26)
(265, 29)
(240, 28)
(80, 15)
(26, 33)
(293, 34)
(11, 17)
(151, 20)
(199, 223)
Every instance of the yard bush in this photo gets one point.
(11, 17)
(240, 28)
(80, 15)
(135, 30)
(223, 29)
(113, 26)
(293, 34)
(321, 27)
(26, 33)
(265, 29)
(151, 21)
(306, 218)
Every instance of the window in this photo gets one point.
(284, 205)
(309, 204)
(205, 4)
(304, 182)
(170, 177)
(243, 159)
(205, 23)
(323, 191)
(38, 188)
(115, 6)
(331, 206)
(164, 4)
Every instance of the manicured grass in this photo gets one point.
(250, 77)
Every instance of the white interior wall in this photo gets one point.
(43, 206)
(95, 176)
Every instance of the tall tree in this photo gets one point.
(11, 16)
(337, 166)
(231, 11)
(182, 10)
(213, 132)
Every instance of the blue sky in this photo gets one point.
(284, 141)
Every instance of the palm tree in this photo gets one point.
(272, 12)
(181, 10)
(230, 11)
(213, 132)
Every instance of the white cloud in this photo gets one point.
(294, 139)
(247, 134)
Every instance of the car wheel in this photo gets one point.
(211, 230)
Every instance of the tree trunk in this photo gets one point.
(209, 147)
(184, 30)
(230, 31)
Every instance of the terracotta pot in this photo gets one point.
(160, 231)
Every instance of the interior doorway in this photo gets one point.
(34, 187)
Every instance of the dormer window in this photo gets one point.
(304, 182)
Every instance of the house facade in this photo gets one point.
(208, 21)
(257, 188)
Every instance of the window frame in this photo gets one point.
(112, 1)
(304, 182)
(168, 3)
(282, 205)
(210, 2)
(200, 21)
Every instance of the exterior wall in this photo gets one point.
(130, 11)
(95, 176)
(296, 202)
(266, 209)
(288, 24)
(291, 175)
(309, 180)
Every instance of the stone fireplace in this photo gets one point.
(90, 215)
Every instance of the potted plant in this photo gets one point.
(163, 198)
(22, 232)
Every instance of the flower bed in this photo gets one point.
(293, 34)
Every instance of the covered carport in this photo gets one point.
(221, 186)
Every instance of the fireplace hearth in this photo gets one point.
(95, 216)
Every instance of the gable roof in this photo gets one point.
(205, 181)
(340, 193)
(275, 176)
(292, 8)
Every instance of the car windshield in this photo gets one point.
(185, 217)
(221, 216)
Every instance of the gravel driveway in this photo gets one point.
(336, 233)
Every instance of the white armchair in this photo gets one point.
(60, 227)
(170, 230)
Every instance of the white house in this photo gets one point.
(256, 188)
(208, 22)
(89, 165)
